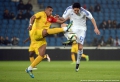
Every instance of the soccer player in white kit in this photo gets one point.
(78, 15)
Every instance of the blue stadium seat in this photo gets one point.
(52, 1)
(4, 26)
(17, 22)
(17, 26)
(104, 1)
(109, 2)
(11, 26)
(24, 22)
(58, 41)
(11, 22)
(46, 1)
(12, 4)
(32, 12)
(106, 32)
(92, 1)
(101, 32)
(4, 21)
(40, 1)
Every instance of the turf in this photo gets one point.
(61, 71)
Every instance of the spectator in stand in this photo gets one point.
(20, 15)
(95, 42)
(114, 24)
(6, 14)
(109, 42)
(1, 40)
(101, 42)
(116, 41)
(109, 24)
(27, 15)
(7, 41)
(21, 6)
(103, 25)
(91, 9)
(12, 16)
(97, 8)
(28, 6)
(15, 41)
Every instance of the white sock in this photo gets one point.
(30, 68)
(79, 54)
(65, 29)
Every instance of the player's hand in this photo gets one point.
(97, 31)
(24, 41)
(56, 16)
(29, 28)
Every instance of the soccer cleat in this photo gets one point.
(48, 58)
(30, 73)
(73, 63)
(68, 42)
(69, 25)
(87, 58)
(77, 68)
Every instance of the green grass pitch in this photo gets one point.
(61, 71)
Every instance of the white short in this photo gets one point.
(80, 35)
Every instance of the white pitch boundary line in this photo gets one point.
(61, 47)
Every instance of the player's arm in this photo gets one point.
(35, 16)
(89, 15)
(26, 40)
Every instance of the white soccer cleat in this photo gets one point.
(48, 58)
(77, 70)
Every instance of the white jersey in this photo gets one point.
(79, 21)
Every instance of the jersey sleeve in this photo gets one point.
(67, 12)
(38, 15)
(87, 13)
(52, 19)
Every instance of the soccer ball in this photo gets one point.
(72, 36)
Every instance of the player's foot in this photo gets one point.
(87, 58)
(30, 73)
(48, 58)
(35, 68)
(77, 68)
(73, 63)
(69, 25)
(68, 42)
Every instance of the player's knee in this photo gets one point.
(31, 54)
(44, 33)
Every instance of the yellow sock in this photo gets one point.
(73, 57)
(55, 30)
(45, 56)
(36, 61)
(31, 59)
(83, 55)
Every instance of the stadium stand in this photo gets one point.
(109, 10)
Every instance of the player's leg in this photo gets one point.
(79, 54)
(85, 56)
(73, 58)
(31, 56)
(38, 59)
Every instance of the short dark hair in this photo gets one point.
(49, 7)
(76, 5)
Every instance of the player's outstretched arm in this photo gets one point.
(26, 40)
(31, 22)
(95, 26)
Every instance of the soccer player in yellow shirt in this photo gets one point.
(33, 49)
(74, 50)
(39, 25)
